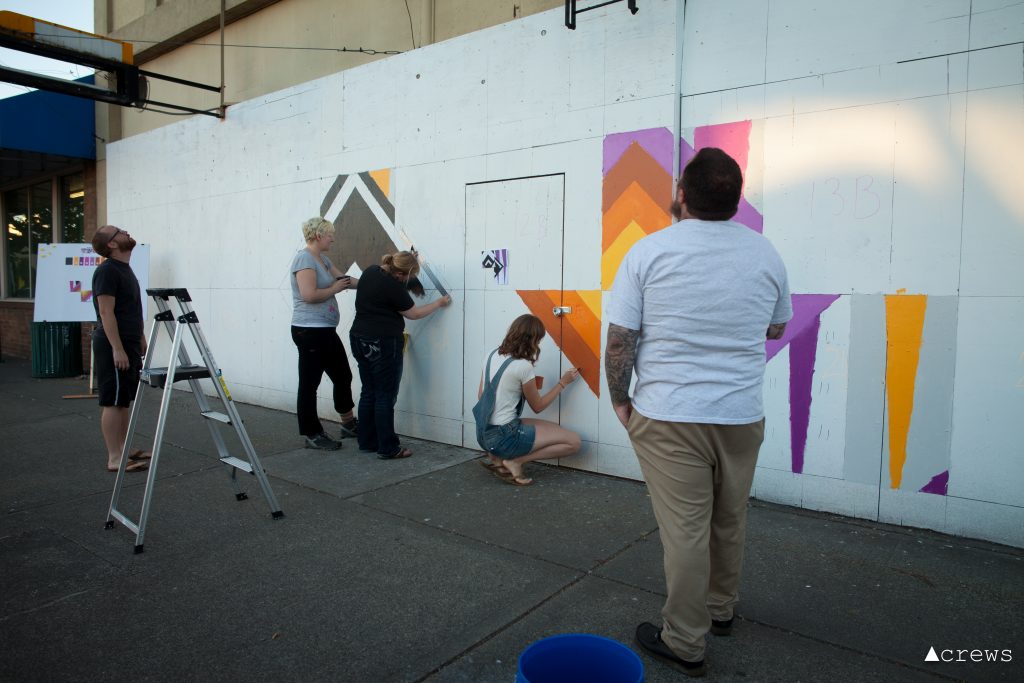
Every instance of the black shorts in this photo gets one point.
(116, 387)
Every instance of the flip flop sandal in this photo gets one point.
(133, 466)
(138, 454)
(494, 469)
(402, 453)
(517, 481)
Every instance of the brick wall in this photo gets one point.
(15, 318)
(16, 336)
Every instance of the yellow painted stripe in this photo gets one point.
(904, 324)
(612, 257)
(592, 298)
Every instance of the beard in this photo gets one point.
(131, 244)
(676, 210)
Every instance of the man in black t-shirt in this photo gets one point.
(118, 342)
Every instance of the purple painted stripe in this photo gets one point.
(749, 216)
(686, 152)
(806, 309)
(802, 352)
(939, 484)
(656, 141)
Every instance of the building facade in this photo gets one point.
(874, 141)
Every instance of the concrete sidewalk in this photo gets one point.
(430, 569)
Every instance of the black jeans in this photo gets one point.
(320, 351)
(380, 370)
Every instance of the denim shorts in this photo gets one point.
(510, 440)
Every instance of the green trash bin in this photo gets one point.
(56, 349)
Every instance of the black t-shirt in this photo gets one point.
(379, 298)
(116, 278)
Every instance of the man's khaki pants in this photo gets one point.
(699, 478)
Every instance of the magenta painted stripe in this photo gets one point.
(747, 214)
(806, 309)
(656, 141)
(733, 138)
(939, 484)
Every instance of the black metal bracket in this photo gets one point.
(129, 80)
(571, 11)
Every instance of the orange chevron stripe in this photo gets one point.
(577, 351)
(383, 180)
(633, 206)
(578, 335)
(583, 320)
(540, 303)
(904, 324)
(636, 165)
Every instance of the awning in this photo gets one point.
(42, 132)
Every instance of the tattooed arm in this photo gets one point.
(776, 330)
(619, 355)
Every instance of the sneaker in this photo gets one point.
(348, 429)
(721, 628)
(648, 636)
(322, 442)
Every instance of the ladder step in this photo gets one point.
(214, 415)
(116, 514)
(237, 463)
(157, 377)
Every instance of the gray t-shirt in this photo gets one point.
(323, 314)
(702, 294)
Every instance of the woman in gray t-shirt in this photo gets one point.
(315, 317)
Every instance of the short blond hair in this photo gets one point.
(317, 227)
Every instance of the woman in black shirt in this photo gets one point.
(382, 306)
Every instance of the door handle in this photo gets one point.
(559, 311)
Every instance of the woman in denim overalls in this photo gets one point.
(511, 441)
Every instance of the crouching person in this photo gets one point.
(506, 384)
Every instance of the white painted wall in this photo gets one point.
(834, 101)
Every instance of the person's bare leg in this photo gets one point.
(114, 426)
(552, 441)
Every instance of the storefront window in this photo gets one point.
(28, 221)
(16, 232)
(72, 197)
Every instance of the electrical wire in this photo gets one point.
(412, 34)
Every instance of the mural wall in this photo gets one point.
(877, 168)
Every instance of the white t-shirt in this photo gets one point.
(510, 388)
(702, 294)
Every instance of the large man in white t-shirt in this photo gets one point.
(690, 311)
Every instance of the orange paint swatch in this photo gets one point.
(904, 324)
(577, 334)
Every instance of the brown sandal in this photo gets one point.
(494, 469)
(133, 466)
(402, 453)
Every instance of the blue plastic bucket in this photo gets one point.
(579, 658)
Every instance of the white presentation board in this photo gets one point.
(64, 281)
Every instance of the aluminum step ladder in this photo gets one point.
(181, 369)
